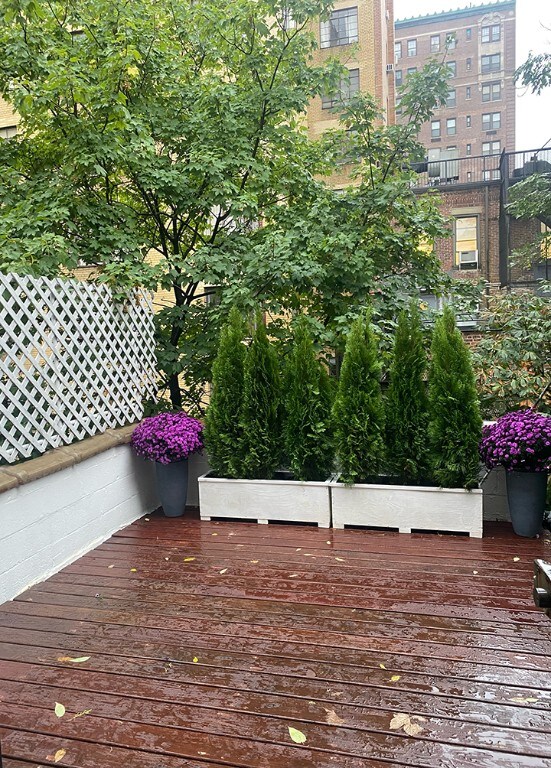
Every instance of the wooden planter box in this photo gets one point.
(265, 500)
(407, 507)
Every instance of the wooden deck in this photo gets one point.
(207, 642)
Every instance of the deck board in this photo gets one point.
(208, 641)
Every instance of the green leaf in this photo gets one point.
(297, 736)
(59, 709)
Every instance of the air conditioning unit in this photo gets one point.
(390, 67)
(468, 259)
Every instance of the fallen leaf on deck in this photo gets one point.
(59, 755)
(133, 570)
(297, 736)
(59, 709)
(394, 678)
(298, 549)
(328, 542)
(195, 659)
(382, 666)
(110, 566)
(254, 561)
(78, 660)
(81, 714)
(332, 718)
(293, 575)
(166, 558)
(214, 534)
(522, 700)
(403, 721)
(188, 559)
(146, 519)
(475, 573)
(340, 559)
(516, 559)
(224, 570)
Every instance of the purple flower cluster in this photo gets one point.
(519, 440)
(167, 437)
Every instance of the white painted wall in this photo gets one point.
(48, 523)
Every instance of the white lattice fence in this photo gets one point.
(72, 362)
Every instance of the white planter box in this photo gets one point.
(407, 507)
(264, 500)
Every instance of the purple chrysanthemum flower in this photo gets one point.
(519, 440)
(167, 437)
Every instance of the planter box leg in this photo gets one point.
(323, 525)
(404, 530)
(263, 522)
(338, 525)
(206, 519)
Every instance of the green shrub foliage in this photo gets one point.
(358, 410)
(222, 432)
(261, 412)
(307, 419)
(455, 424)
(407, 402)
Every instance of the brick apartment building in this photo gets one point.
(478, 44)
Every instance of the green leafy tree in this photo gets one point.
(358, 409)
(513, 359)
(307, 418)
(261, 447)
(455, 425)
(406, 403)
(222, 433)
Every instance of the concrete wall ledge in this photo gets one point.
(12, 475)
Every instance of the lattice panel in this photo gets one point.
(72, 362)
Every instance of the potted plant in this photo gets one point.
(250, 410)
(520, 441)
(168, 439)
(416, 435)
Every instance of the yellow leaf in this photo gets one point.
(167, 558)
(133, 570)
(516, 559)
(59, 709)
(188, 559)
(412, 729)
(340, 559)
(382, 666)
(522, 700)
(146, 519)
(332, 718)
(195, 659)
(394, 678)
(59, 755)
(293, 575)
(132, 71)
(398, 721)
(298, 549)
(254, 561)
(224, 570)
(110, 566)
(214, 534)
(78, 660)
(297, 736)
(328, 542)
(475, 573)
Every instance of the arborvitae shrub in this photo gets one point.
(261, 411)
(455, 424)
(222, 432)
(406, 407)
(358, 410)
(307, 418)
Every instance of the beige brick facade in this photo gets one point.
(8, 118)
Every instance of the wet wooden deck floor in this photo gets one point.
(179, 644)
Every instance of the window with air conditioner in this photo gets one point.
(466, 242)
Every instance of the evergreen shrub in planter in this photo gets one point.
(247, 485)
(419, 442)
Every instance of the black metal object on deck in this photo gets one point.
(542, 585)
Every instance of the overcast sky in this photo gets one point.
(533, 34)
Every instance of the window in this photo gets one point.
(8, 132)
(288, 21)
(491, 63)
(468, 92)
(468, 33)
(398, 77)
(349, 85)
(412, 47)
(397, 51)
(491, 92)
(490, 34)
(411, 70)
(469, 64)
(491, 147)
(451, 99)
(340, 29)
(435, 129)
(451, 126)
(398, 107)
(452, 68)
(451, 41)
(469, 149)
(434, 43)
(468, 121)
(491, 121)
(491, 175)
(466, 242)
